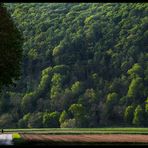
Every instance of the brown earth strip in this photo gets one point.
(87, 138)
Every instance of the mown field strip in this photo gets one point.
(80, 131)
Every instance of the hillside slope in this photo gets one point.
(84, 65)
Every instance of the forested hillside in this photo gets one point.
(84, 65)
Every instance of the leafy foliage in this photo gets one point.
(84, 65)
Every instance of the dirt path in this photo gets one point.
(87, 138)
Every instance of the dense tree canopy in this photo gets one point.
(84, 65)
(10, 49)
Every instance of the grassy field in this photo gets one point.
(80, 131)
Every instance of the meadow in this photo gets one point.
(129, 130)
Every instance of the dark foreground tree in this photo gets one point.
(10, 49)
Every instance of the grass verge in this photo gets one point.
(143, 131)
(16, 138)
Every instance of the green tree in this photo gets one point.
(76, 87)
(146, 105)
(69, 123)
(110, 111)
(35, 120)
(63, 117)
(78, 112)
(136, 70)
(51, 119)
(138, 116)
(28, 103)
(128, 114)
(23, 123)
(56, 85)
(112, 99)
(6, 121)
(135, 88)
(56, 91)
